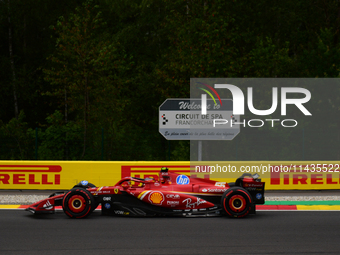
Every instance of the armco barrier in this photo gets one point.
(62, 175)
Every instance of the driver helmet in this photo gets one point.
(164, 169)
(164, 177)
(126, 184)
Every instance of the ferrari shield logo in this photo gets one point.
(116, 191)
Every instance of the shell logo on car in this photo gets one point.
(156, 198)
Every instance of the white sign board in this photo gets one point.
(182, 119)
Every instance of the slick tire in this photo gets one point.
(236, 202)
(78, 203)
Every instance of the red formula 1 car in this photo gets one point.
(173, 195)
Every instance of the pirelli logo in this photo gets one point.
(30, 174)
(304, 175)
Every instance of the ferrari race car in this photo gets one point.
(172, 195)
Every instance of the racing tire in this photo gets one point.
(236, 202)
(78, 203)
(87, 186)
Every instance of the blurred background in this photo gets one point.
(83, 80)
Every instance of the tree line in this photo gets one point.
(83, 79)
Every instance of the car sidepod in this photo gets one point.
(156, 203)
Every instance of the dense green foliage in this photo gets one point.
(82, 79)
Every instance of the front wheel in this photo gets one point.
(236, 202)
(78, 203)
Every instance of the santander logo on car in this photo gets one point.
(216, 190)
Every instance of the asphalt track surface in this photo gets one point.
(268, 232)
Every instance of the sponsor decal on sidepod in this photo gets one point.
(182, 179)
(214, 190)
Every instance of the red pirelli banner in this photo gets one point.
(63, 175)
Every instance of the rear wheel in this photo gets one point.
(236, 202)
(78, 203)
